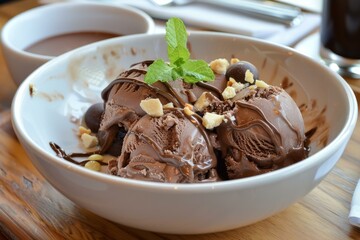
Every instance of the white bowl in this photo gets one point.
(67, 85)
(51, 20)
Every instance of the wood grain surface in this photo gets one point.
(30, 208)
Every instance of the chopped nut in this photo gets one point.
(233, 83)
(252, 87)
(152, 106)
(95, 157)
(83, 130)
(188, 111)
(88, 140)
(238, 86)
(202, 102)
(234, 60)
(261, 84)
(249, 77)
(93, 165)
(168, 105)
(229, 92)
(211, 120)
(219, 65)
(191, 107)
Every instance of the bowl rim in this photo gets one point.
(5, 41)
(192, 188)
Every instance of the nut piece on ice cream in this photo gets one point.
(212, 120)
(88, 140)
(204, 101)
(229, 92)
(264, 132)
(219, 65)
(171, 148)
(152, 106)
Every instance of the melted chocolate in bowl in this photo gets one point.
(59, 44)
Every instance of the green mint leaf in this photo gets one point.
(178, 62)
(176, 73)
(181, 66)
(158, 71)
(176, 37)
(197, 70)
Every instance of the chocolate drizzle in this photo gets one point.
(70, 157)
(196, 120)
(264, 123)
(211, 88)
(120, 80)
(174, 94)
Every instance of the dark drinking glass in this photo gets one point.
(340, 36)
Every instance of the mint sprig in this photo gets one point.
(180, 66)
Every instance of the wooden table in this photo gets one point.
(32, 209)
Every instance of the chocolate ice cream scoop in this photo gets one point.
(264, 132)
(172, 148)
(122, 99)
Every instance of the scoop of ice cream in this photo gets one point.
(172, 148)
(125, 94)
(264, 132)
(122, 99)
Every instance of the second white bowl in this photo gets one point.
(51, 20)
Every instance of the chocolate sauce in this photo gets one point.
(169, 97)
(264, 123)
(308, 136)
(196, 120)
(71, 157)
(340, 27)
(56, 45)
(174, 94)
(211, 88)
